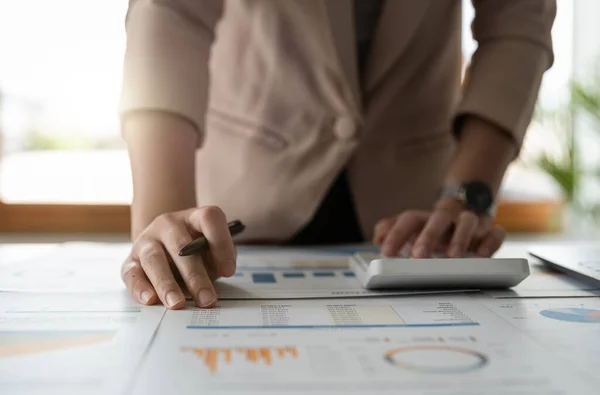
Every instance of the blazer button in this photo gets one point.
(344, 128)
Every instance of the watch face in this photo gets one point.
(478, 197)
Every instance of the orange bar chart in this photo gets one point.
(212, 357)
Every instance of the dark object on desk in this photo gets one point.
(580, 262)
(201, 244)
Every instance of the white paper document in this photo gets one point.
(278, 273)
(10, 253)
(298, 314)
(569, 328)
(72, 344)
(72, 267)
(420, 345)
(263, 273)
(546, 283)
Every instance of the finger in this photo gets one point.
(463, 234)
(411, 240)
(406, 225)
(197, 281)
(438, 224)
(211, 221)
(491, 242)
(382, 228)
(484, 227)
(192, 269)
(137, 283)
(153, 260)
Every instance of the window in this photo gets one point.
(59, 80)
(60, 75)
(553, 129)
(523, 180)
(586, 70)
(61, 154)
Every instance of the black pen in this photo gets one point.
(201, 244)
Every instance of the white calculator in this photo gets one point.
(377, 272)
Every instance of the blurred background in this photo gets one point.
(64, 167)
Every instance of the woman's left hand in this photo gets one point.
(448, 228)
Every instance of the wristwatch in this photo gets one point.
(476, 196)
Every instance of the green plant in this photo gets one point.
(564, 168)
(585, 99)
(40, 141)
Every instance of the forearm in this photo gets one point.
(162, 157)
(484, 153)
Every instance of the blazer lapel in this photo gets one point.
(341, 22)
(398, 22)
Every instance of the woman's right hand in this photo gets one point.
(152, 270)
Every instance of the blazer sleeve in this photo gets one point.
(514, 50)
(167, 56)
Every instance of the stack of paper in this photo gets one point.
(290, 321)
(418, 345)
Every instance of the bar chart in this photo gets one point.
(266, 356)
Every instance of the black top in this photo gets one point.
(335, 220)
(366, 18)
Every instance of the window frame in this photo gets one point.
(64, 218)
(514, 217)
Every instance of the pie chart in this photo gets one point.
(573, 314)
(436, 359)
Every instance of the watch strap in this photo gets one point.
(458, 192)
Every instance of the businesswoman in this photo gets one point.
(319, 121)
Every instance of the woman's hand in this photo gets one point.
(152, 269)
(483, 153)
(448, 229)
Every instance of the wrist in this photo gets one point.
(146, 207)
(474, 196)
(483, 154)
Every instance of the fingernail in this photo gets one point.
(145, 296)
(419, 252)
(173, 298)
(206, 297)
(231, 266)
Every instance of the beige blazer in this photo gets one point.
(272, 87)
